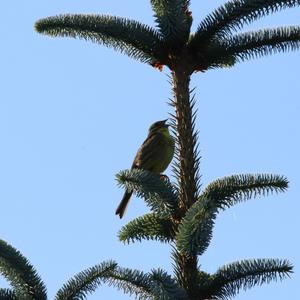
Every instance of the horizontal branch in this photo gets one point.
(231, 278)
(233, 15)
(135, 39)
(233, 189)
(255, 44)
(86, 282)
(132, 282)
(149, 227)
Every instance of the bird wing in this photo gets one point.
(149, 152)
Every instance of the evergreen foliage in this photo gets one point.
(195, 230)
(174, 22)
(186, 171)
(182, 213)
(215, 44)
(132, 282)
(156, 284)
(149, 227)
(234, 15)
(229, 279)
(86, 282)
(165, 287)
(159, 194)
(255, 44)
(137, 40)
(232, 189)
(21, 275)
(7, 294)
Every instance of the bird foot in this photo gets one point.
(164, 178)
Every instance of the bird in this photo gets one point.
(154, 155)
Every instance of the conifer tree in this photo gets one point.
(182, 212)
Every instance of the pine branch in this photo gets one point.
(132, 282)
(86, 282)
(231, 278)
(149, 227)
(255, 44)
(233, 189)
(21, 274)
(159, 194)
(164, 287)
(7, 294)
(195, 231)
(137, 40)
(233, 15)
(174, 21)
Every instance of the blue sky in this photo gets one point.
(72, 114)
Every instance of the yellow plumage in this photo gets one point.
(154, 155)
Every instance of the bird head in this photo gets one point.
(159, 125)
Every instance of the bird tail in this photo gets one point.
(123, 204)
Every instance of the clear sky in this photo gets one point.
(73, 113)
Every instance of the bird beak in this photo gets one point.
(164, 121)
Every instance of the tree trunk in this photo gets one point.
(186, 171)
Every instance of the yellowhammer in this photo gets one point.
(154, 155)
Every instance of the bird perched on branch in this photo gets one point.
(154, 155)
